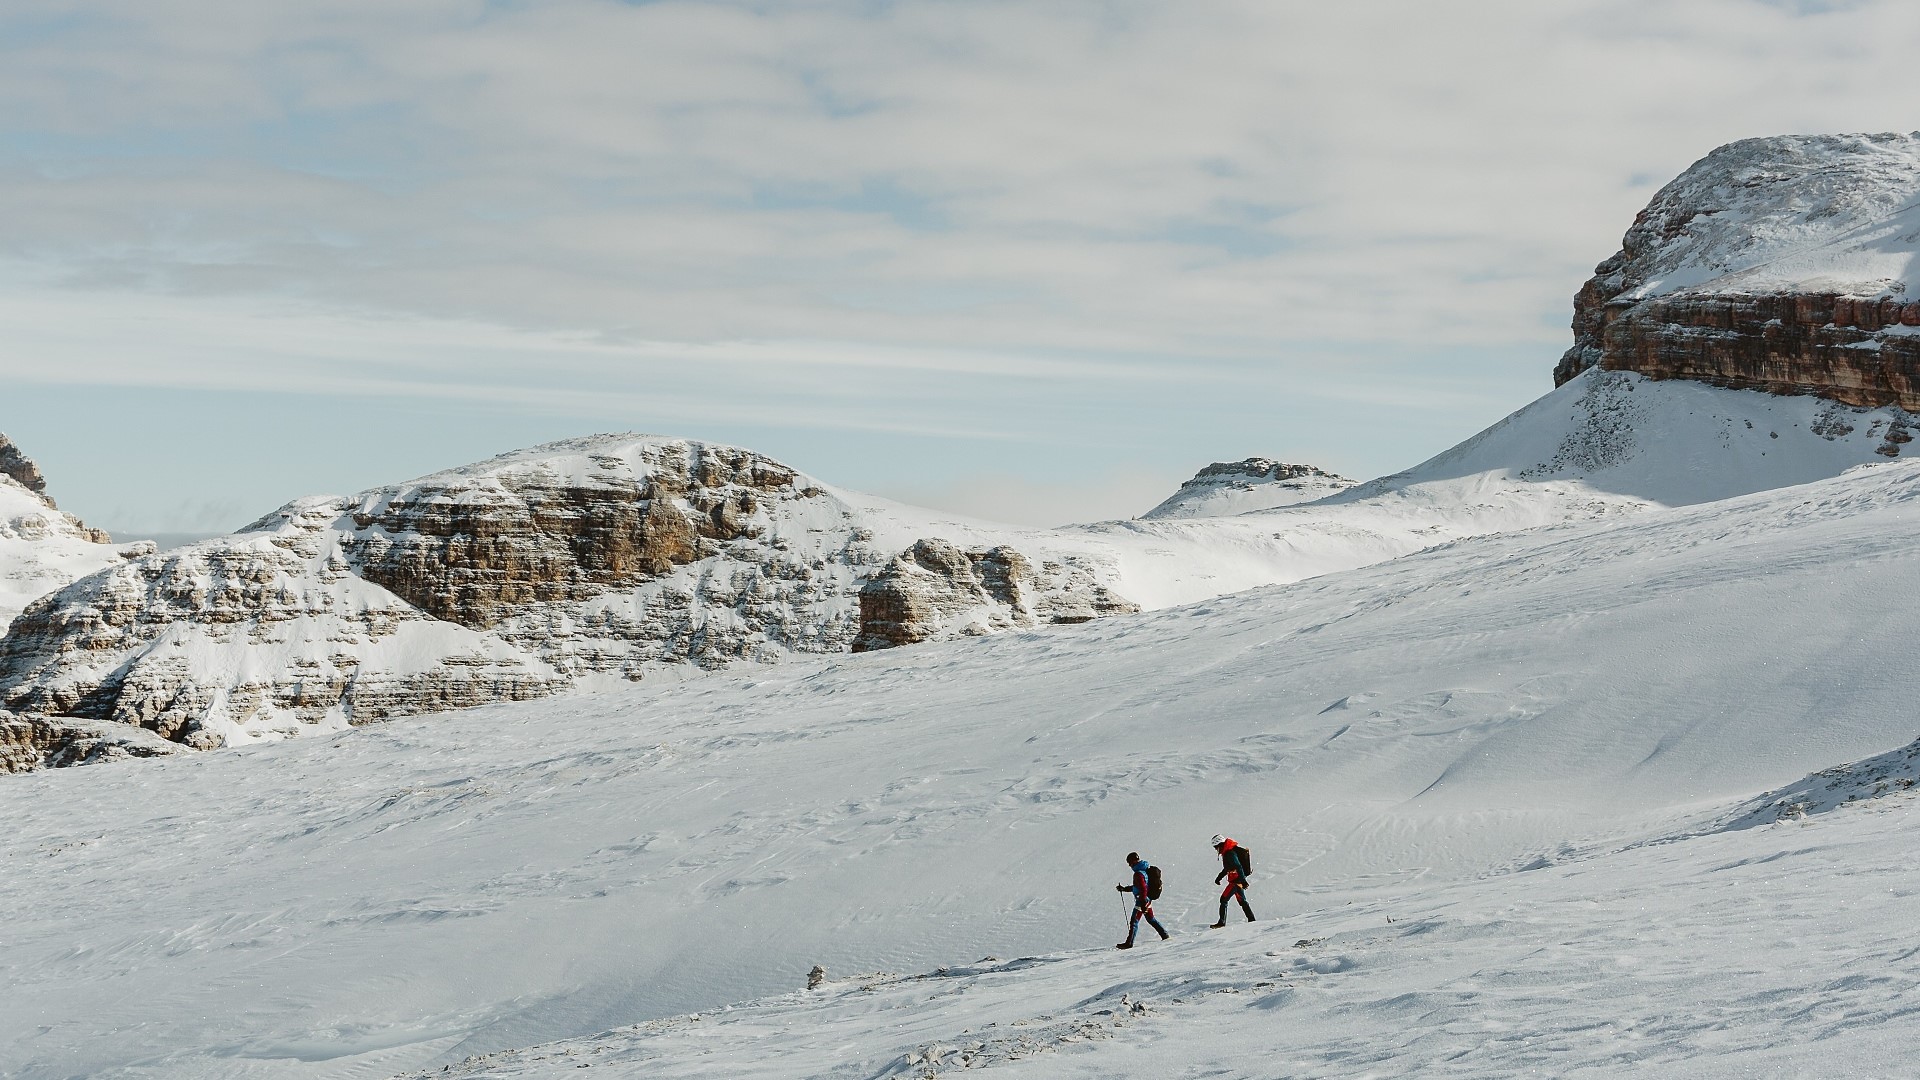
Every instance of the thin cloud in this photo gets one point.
(990, 220)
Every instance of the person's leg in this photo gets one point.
(1240, 894)
(1222, 920)
(1155, 923)
(1133, 924)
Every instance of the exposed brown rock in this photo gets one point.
(40, 742)
(935, 587)
(472, 551)
(21, 468)
(1830, 345)
(1756, 269)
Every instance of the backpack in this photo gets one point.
(1153, 882)
(1246, 861)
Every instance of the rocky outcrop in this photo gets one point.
(510, 579)
(21, 469)
(1772, 264)
(1239, 487)
(39, 742)
(41, 547)
(475, 553)
(1857, 350)
(936, 589)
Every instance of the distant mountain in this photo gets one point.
(41, 550)
(1226, 488)
(620, 557)
(623, 557)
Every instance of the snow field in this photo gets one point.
(1747, 954)
(411, 895)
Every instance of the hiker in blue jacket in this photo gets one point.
(1142, 900)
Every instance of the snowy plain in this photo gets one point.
(1528, 748)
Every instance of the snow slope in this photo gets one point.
(1766, 954)
(1402, 739)
(1795, 213)
(1604, 444)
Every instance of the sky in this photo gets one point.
(1033, 261)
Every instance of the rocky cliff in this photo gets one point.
(39, 742)
(514, 578)
(41, 547)
(1781, 264)
(21, 469)
(1240, 487)
(935, 589)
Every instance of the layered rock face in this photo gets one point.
(510, 579)
(1781, 264)
(39, 742)
(1240, 487)
(935, 589)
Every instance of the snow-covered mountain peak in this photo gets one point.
(41, 547)
(1785, 264)
(1225, 488)
(615, 459)
(1814, 213)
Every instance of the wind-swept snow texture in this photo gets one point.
(1456, 739)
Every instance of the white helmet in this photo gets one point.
(1218, 840)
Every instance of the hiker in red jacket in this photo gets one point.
(1142, 900)
(1233, 868)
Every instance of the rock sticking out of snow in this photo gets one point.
(935, 589)
(36, 742)
(1894, 773)
(41, 547)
